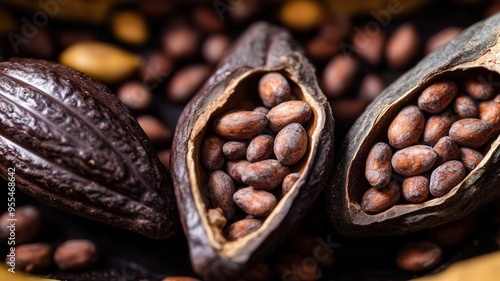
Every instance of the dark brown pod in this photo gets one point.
(262, 49)
(76, 147)
(473, 54)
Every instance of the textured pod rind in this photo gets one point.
(476, 47)
(76, 147)
(263, 48)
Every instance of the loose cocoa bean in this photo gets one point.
(465, 107)
(28, 224)
(266, 174)
(446, 150)
(471, 132)
(371, 86)
(453, 233)
(206, 18)
(339, 74)
(135, 96)
(258, 203)
(186, 81)
(240, 125)
(274, 89)
(155, 129)
(33, 258)
(470, 158)
(402, 46)
(419, 256)
(414, 160)
(378, 168)
(294, 111)
(479, 88)
(290, 144)
(445, 177)
(75, 254)
(288, 182)
(214, 47)
(221, 190)
(437, 97)
(377, 200)
(296, 267)
(407, 127)
(309, 245)
(370, 47)
(437, 126)
(415, 189)
(180, 41)
(440, 38)
(156, 67)
(320, 48)
(211, 153)
(242, 228)
(260, 148)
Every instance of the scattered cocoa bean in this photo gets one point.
(75, 254)
(154, 128)
(180, 42)
(402, 46)
(371, 86)
(186, 81)
(339, 74)
(419, 256)
(28, 224)
(33, 258)
(135, 96)
(214, 47)
(440, 38)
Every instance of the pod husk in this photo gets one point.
(478, 48)
(262, 48)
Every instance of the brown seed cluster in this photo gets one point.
(432, 146)
(251, 156)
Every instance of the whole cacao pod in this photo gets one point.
(473, 56)
(264, 49)
(74, 145)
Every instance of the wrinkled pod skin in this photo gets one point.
(476, 47)
(263, 48)
(76, 147)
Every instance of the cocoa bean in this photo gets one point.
(446, 150)
(211, 153)
(235, 150)
(221, 189)
(407, 127)
(377, 200)
(258, 203)
(290, 144)
(294, 111)
(414, 160)
(470, 158)
(75, 254)
(288, 182)
(465, 107)
(415, 189)
(260, 148)
(437, 126)
(378, 168)
(274, 89)
(419, 256)
(242, 228)
(437, 97)
(445, 177)
(240, 125)
(471, 132)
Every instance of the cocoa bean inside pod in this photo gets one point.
(456, 158)
(242, 105)
(70, 143)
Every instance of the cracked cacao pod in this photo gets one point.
(441, 192)
(262, 50)
(76, 147)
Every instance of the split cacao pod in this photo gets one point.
(263, 49)
(74, 145)
(474, 54)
